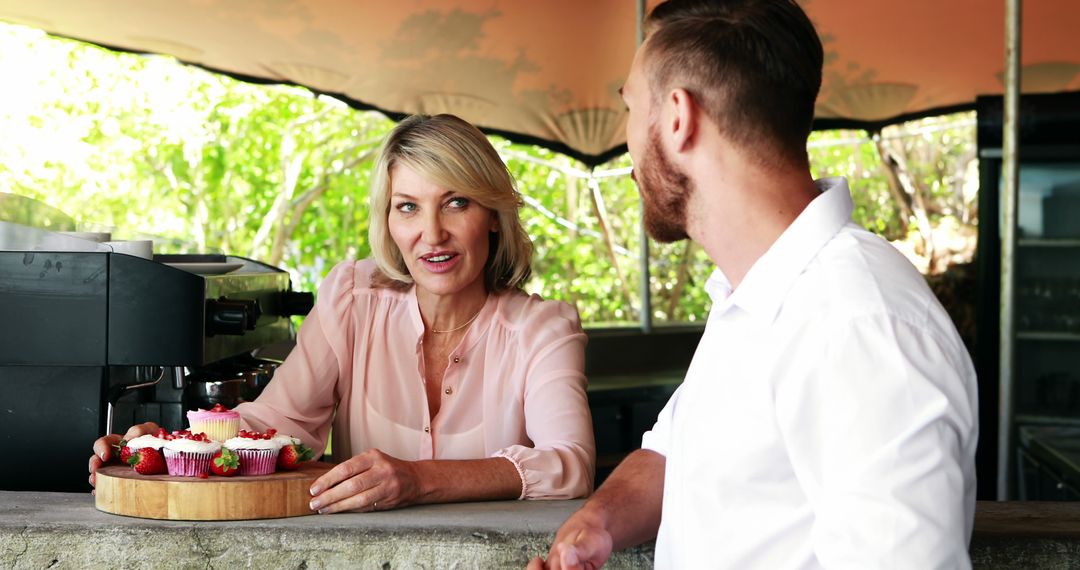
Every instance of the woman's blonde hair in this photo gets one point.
(453, 154)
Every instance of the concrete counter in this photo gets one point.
(63, 530)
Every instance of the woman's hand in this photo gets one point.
(104, 446)
(371, 481)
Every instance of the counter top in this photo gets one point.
(40, 530)
(64, 530)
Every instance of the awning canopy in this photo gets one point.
(548, 72)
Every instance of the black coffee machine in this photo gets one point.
(92, 340)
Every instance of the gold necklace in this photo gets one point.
(461, 326)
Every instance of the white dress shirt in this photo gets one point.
(829, 416)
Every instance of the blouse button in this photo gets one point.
(449, 391)
(427, 429)
(457, 359)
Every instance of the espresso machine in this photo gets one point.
(93, 341)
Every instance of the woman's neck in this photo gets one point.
(450, 313)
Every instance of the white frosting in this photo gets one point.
(151, 441)
(192, 446)
(286, 440)
(248, 443)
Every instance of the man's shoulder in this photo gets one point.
(859, 273)
(860, 286)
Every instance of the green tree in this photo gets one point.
(148, 147)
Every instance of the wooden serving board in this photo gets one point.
(122, 491)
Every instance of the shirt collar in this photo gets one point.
(718, 287)
(762, 291)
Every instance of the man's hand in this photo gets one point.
(624, 511)
(581, 543)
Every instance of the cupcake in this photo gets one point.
(153, 441)
(188, 454)
(284, 439)
(145, 453)
(258, 451)
(219, 423)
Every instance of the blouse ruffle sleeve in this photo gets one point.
(561, 462)
(300, 400)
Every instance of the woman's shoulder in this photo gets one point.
(520, 311)
(352, 278)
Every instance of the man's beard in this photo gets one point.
(664, 191)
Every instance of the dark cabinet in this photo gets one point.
(631, 377)
(1047, 464)
(1039, 482)
(1045, 376)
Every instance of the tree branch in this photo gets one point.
(681, 279)
(304, 201)
(605, 229)
(897, 169)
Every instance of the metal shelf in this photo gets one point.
(1048, 242)
(1048, 335)
(1047, 420)
(1035, 152)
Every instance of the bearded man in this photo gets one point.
(828, 418)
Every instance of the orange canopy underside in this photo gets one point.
(548, 71)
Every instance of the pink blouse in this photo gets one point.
(514, 387)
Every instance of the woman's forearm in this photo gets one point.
(448, 481)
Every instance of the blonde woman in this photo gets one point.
(441, 379)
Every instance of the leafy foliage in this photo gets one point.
(147, 147)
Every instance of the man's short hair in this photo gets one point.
(754, 66)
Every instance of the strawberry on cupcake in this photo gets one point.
(219, 423)
(258, 451)
(153, 441)
(188, 454)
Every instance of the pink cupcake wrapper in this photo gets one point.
(187, 464)
(257, 461)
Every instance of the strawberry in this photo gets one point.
(290, 456)
(148, 461)
(225, 463)
(123, 450)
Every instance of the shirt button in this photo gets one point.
(449, 391)
(427, 429)
(457, 359)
